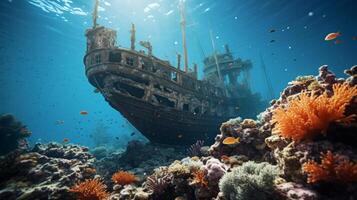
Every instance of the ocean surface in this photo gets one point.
(42, 44)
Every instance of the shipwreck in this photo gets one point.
(165, 103)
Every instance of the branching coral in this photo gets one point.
(124, 178)
(308, 115)
(333, 168)
(200, 178)
(92, 189)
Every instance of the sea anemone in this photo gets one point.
(92, 189)
(124, 178)
(308, 115)
(333, 168)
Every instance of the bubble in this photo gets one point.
(289, 47)
(235, 17)
(175, 43)
(311, 13)
(217, 37)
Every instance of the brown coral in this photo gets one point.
(333, 168)
(308, 115)
(124, 178)
(92, 189)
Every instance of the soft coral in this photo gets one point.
(333, 168)
(308, 114)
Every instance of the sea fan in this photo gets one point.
(333, 168)
(92, 189)
(308, 115)
(124, 178)
(195, 149)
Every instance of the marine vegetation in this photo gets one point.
(250, 181)
(195, 149)
(124, 178)
(333, 168)
(91, 189)
(308, 114)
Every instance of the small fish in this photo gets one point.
(272, 30)
(132, 134)
(59, 122)
(338, 41)
(83, 112)
(96, 90)
(180, 136)
(117, 138)
(224, 158)
(354, 38)
(231, 140)
(332, 36)
(271, 41)
(65, 140)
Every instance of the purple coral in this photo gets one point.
(214, 169)
(195, 149)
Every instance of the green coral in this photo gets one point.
(249, 181)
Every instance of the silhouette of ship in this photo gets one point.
(166, 104)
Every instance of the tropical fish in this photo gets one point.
(96, 90)
(65, 140)
(83, 112)
(332, 36)
(180, 136)
(231, 140)
(271, 41)
(272, 31)
(132, 134)
(224, 158)
(354, 38)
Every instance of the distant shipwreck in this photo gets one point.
(164, 103)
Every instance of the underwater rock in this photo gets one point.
(294, 191)
(45, 172)
(12, 134)
(251, 134)
(138, 158)
(214, 169)
(352, 73)
(99, 152)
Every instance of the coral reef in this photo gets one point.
(139, 158)
(249, 181)
(251, 135)
(45, 172)
(92, 189)
(195, 149)
(12, 134)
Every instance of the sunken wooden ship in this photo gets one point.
(166, 104)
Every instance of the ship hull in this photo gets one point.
(166, 126)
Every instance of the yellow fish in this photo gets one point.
(231, 140)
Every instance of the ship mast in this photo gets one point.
(183, 28)
(95, 14)
(267, 79)
(217, 63)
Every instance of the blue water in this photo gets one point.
(42, 44)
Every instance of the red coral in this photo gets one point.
(308, 115)
(200, 178)
(333, 168)
(92, 189)
(124, 178)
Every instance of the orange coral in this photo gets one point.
(124, 178)
(199, 178)
(92, 189)
(309, 115)
(333, 168)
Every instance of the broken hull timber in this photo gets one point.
(129, 88)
